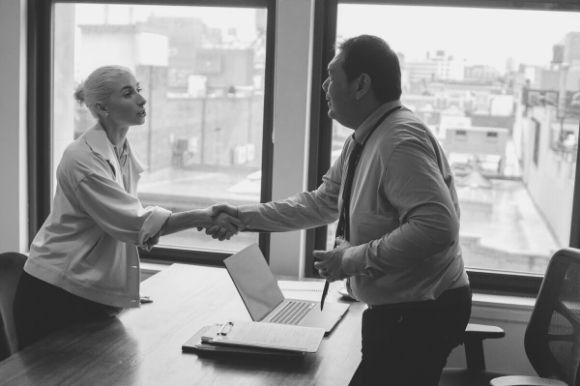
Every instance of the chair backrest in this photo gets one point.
(552, 339)
(11, 266)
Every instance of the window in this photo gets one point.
(488, 95)
(203, 71)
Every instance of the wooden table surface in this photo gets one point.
(143, 346)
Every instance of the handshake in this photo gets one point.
(223, 222)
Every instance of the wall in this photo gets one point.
(64, 103)
(291, 117)
(554, 172)
(13, 226)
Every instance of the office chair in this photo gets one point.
(475, 373)
(11, 266)
(552, 338)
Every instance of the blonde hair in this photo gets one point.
(97, 87)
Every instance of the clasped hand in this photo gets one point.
(225, 222)
(329, 263)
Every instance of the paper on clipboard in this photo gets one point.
(265, 335)
(195, 345)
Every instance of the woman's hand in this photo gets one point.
(224, 222)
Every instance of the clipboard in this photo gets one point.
(196, 346)
(263, 336)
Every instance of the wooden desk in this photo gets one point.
(143, 346)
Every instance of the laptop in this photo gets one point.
(264, 300)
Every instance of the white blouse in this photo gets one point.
(88, 244)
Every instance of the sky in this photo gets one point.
(482, 36)
(243, 19)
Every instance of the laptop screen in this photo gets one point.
(254, 280)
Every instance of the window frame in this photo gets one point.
(40, 53)
(325, 21)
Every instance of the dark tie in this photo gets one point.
(343, 227)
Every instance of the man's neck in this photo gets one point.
(365, 111)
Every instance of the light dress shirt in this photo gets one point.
(88, 244)
(404, 212)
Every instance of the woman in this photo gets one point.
(83, 263)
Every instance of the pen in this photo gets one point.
(324, 292)
(337, 242)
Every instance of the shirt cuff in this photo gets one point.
(353, 260)
(246, 213)
(153, 224)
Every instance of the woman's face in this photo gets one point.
(126, 106)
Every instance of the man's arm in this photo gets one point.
(301, 211)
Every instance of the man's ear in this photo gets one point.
(363, 85)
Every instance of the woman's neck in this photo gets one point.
(116, 134)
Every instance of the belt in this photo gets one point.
(448, 297)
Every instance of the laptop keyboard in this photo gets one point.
(292, 312)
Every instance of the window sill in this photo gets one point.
(151, 268)
(504, 301)
(525, 303)
(494, 308)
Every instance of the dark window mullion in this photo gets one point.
(191, 256)
(544, 5)
(320, 124)
(38, 111)
(268, 126)
(575, 226)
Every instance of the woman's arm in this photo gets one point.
(122, 216)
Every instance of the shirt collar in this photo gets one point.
(97, 140)
(362, 132)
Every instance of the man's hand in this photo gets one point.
(329, 263)
(224, 208)
(225, 222)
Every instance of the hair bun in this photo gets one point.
(79, 93)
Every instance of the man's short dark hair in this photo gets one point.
(371, 55)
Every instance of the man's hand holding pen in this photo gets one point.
(329, 263)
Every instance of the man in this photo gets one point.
(400, 222)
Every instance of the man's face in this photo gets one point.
(339, 92)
